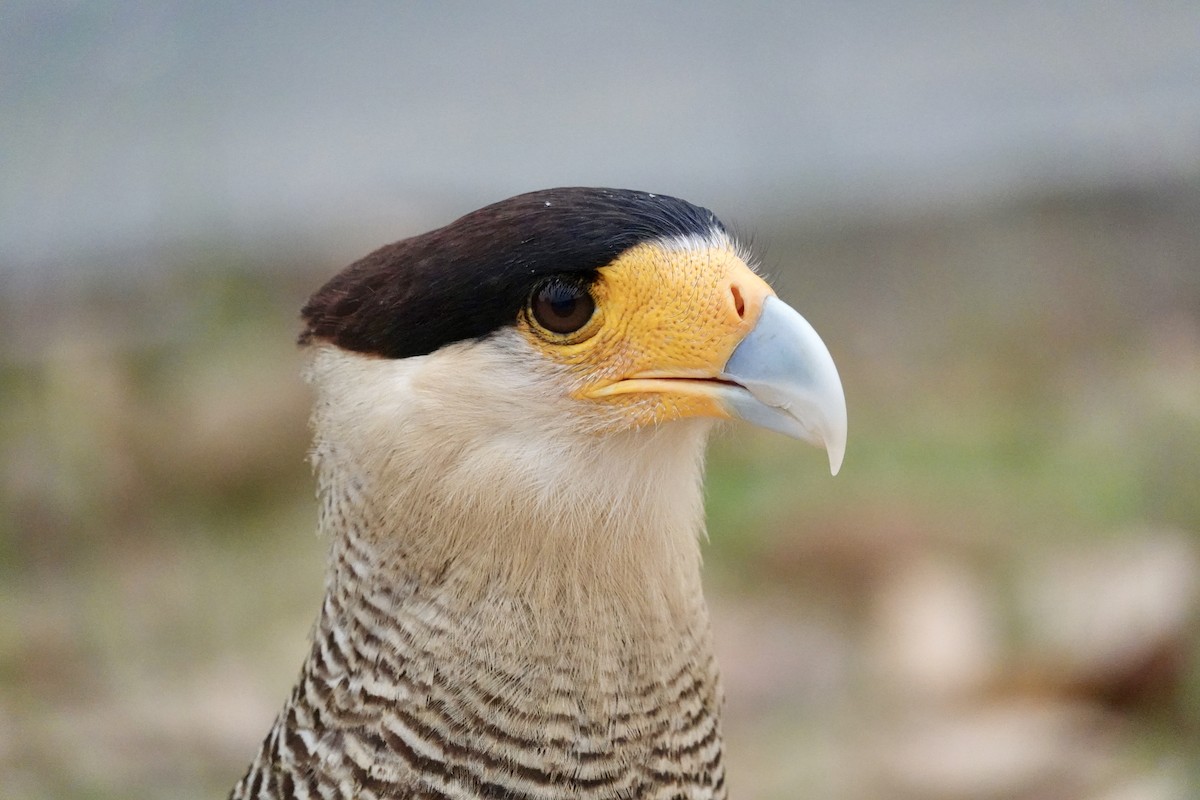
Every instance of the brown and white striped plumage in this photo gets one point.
(513, 605)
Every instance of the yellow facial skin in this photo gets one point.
(668, 316)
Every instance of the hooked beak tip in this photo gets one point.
(790, 382)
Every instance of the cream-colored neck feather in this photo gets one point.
(475, 459)
(513, 605)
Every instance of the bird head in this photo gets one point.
(631, 309)
(552, 360)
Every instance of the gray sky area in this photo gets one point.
(127, 126)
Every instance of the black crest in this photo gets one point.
(472, 277)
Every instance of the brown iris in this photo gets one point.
(562, 305)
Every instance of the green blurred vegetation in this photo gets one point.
(1024, 389)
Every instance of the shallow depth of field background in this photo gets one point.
(991, 214)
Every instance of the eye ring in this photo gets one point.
(561, 305)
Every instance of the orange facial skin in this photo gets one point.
(668, 316)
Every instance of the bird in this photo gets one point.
(509, 421)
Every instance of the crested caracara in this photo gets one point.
(510, 420)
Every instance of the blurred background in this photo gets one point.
(990, 211)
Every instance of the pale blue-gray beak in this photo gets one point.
(787, 382)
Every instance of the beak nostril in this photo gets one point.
(739, 304)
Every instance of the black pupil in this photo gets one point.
(562, 307)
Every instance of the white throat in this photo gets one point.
(457, 461)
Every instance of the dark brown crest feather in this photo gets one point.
(473, 276)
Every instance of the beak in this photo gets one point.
(786, 381)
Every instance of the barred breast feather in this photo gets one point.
(408, 692)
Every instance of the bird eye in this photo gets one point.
(562, 305)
